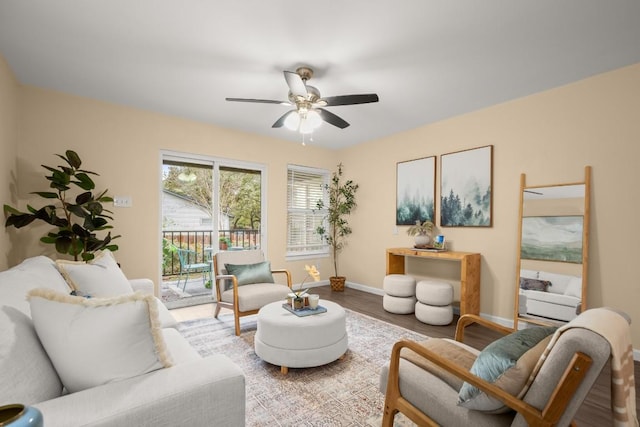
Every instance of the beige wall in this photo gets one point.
(8, 144)
(123, 145)
(550, 136)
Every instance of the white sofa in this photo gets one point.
(561, 301)
(194, 391)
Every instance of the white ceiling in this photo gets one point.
(427, 59)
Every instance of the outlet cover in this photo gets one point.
(122, 201)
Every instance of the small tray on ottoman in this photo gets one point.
(306, 311)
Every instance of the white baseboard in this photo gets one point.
(499, 320)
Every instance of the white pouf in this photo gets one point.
(399, 305)
(434, 315)
(399, 285)
(289, 341)
(433, 292)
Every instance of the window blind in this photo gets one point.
(305, 186)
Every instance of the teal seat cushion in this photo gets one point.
(507, 363)
(247, 274)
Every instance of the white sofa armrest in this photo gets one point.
(143, 285)
(206, 392)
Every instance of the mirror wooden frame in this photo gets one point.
(585, 246)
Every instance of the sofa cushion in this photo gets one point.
(28, 376)
(93, 341)
(507, 363)
(248, 274)
(100, 277)
(534, 284)
(36, 272)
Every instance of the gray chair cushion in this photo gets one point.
(254, 296)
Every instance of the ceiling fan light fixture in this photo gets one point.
(292, 122)
(313, 119)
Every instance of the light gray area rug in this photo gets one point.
(342, 393)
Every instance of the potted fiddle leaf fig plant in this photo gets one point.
(76, 218)
(335, 229)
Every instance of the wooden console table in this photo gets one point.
(469, 272)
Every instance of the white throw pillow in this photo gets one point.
(93, 341)
(100, 277)
(35, 272)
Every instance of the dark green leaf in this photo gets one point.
(19, 220)
(74, 159)
(46, 194)
(84, 182)
(84, 197)
(63, 244)
(79, 231)
(94, 207)
(77, 211)
(9, 210)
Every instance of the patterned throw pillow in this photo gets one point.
(534, 284)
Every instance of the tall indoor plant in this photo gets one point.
(335, 229)
(76, 219)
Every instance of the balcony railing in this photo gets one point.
(204, 244)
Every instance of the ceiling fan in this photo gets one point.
(309, 112)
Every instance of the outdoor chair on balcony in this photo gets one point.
(244, 283)
(189, 264)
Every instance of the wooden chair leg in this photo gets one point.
(215, 314)
(388, 416)
(237, 320)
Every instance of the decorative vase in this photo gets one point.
(17, 415)
(337, 283)
(298, 303)
(421, 240)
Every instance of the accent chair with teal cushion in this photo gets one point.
(245, 283)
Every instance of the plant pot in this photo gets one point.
(421, 240)
(337, 283)
(17, 415)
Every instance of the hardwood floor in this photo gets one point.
(595, 411)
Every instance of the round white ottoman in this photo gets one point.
(434, 302)
(289, 341)
(399, 305)
(434, 292)
(433, 314)
(399, 285)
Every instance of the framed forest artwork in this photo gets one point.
(415, 192)
(465, 188)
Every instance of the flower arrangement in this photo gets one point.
(312, 272)
(297, 297)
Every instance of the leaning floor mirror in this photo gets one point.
(553, 249)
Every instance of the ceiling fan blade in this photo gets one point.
(280, 122)
(331, 118)
(296, 84)
(351, 99)
(260, 101)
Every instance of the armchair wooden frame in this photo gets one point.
(237, 314)
(548, 416)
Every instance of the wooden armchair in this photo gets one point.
(562, 383)
(246, 298)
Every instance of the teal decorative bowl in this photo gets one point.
(20, 416)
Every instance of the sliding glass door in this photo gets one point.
(208, 205)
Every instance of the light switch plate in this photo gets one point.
(122, 201)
